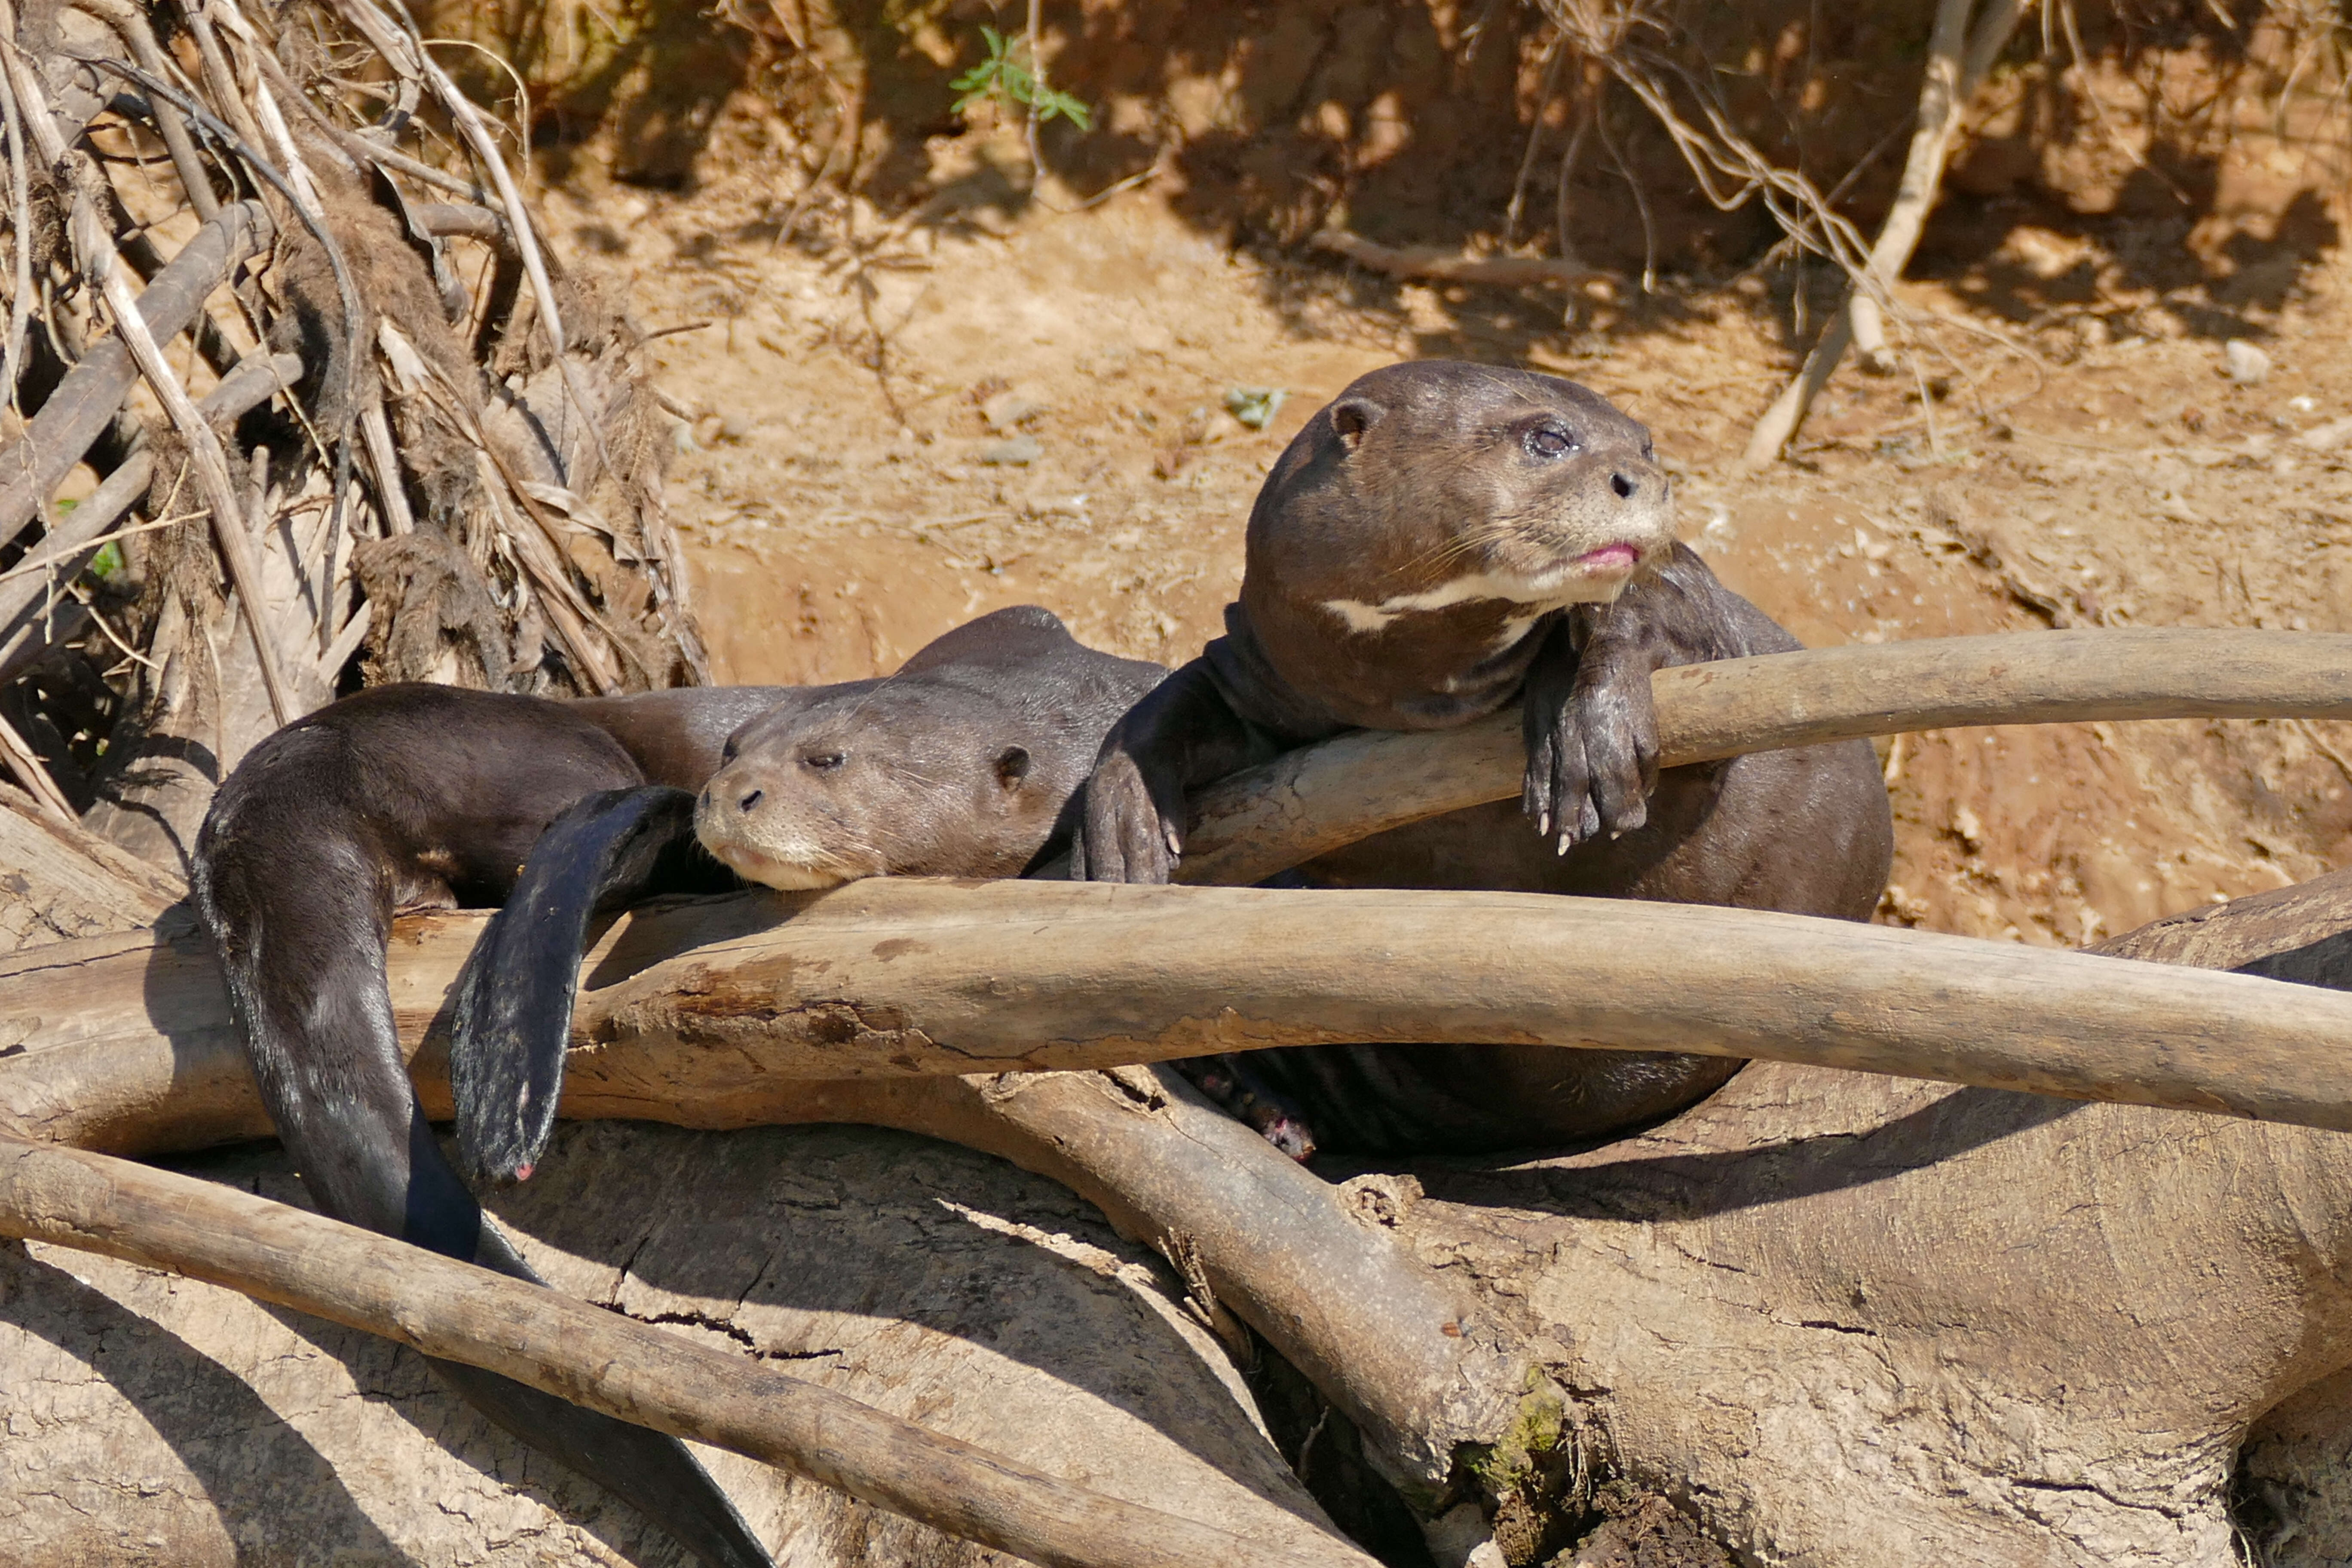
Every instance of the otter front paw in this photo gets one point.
(1124, 833)
(1592, 745)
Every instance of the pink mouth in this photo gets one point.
(1608, 558)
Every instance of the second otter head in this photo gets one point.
(881, 780)
(962, 764)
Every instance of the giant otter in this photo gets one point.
(410, 794)
(965, 764)
(1442, 540)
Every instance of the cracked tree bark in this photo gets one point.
(158, 1419)
(1962, 1305)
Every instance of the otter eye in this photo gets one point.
(1648, 454)
(1548, 441)
(823, 761)
(727, 752)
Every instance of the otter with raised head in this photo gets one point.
(1444, 540)
(408, 796)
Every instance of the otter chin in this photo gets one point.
(784, 871)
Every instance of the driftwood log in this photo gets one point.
(710, 1013)
(1269, 819)
(2022, 1332)
(461, 1312)
(714, 1013)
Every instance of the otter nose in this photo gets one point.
(1624, 485)
(751, 801)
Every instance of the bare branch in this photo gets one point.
(85, 402)
(1957, 61)
(1254, 824)
(579, 1353)
(99, 258)
(254, 382)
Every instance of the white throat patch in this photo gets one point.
(1540, 594)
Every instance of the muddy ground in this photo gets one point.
(854, 482)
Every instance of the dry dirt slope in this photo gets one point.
(838, 517)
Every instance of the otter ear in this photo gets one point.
(1351, 417)
(1012, 765)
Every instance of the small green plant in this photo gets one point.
(1010, 77)
(107, 562)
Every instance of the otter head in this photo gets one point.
(906, 776)
(1440, 482)
(1424, 521)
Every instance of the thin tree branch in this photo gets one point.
(598, 1359)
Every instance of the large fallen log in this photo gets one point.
(592, 1357)
(713, 1012)
(1267, 819)
(1841, 1202)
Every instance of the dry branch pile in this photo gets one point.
(299, 401)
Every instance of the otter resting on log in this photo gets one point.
(1442, 540)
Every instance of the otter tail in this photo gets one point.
(292, 883)
(514, 997)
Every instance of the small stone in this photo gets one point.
(1010, 410)
(2326, 437)
(1018, 453)
(2248, 366)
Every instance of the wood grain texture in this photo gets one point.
(714, 1013)
(592, 1357)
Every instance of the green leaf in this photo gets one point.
(107, 562)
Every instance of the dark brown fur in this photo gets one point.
(1411, 565)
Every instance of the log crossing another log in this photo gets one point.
(595, 1358)
(714, 1013)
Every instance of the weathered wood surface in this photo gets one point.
(459, 1312)
(59, 882)
(713, 1012)
(1267, 819)
(158, 1418)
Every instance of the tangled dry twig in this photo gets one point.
(232, 286)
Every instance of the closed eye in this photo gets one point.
(823, 761)
(1548, 441)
